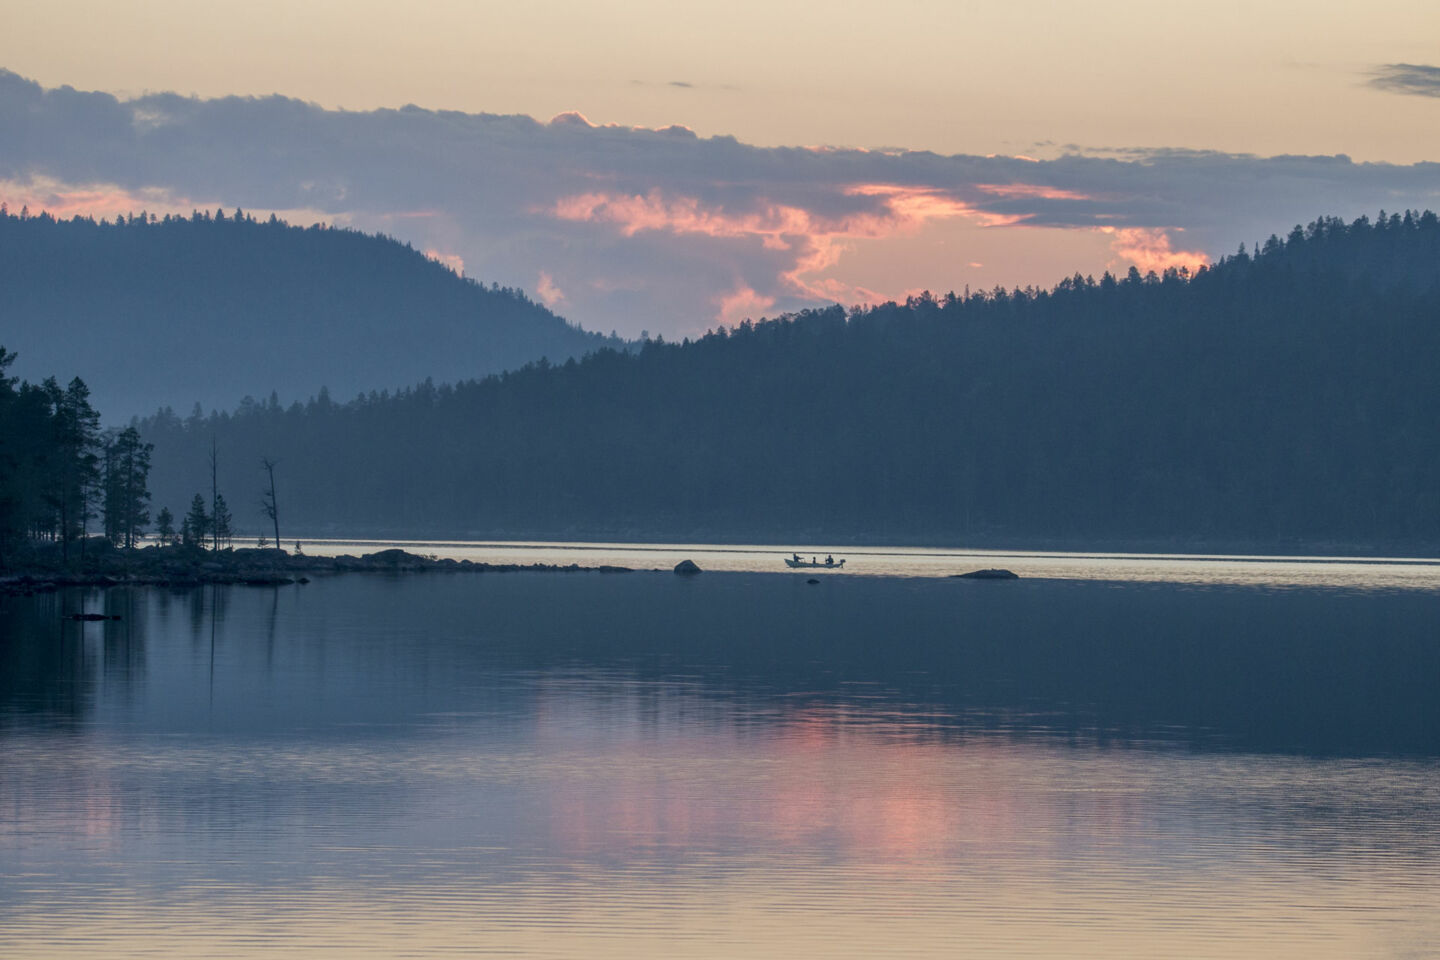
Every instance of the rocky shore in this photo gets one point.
(190, 567)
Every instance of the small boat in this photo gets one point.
(793, 561)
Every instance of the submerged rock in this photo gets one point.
(990, 573)
(92, 617)
(686, 568)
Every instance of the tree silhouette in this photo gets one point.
(197, 523)
(222, 523)
(165, 527)
(127, 494)
(269, 503)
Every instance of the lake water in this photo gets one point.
(733, 765)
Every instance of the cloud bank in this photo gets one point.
(1415, 79)
(632, 228)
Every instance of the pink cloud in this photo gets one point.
(1030, 191)
(816, 241)
(454, 261)
(86, 200)
(743, 303)
(549, 294)
(107, 201)
(573, 118)
(1148, 248)
(912, 207)
(685, 215)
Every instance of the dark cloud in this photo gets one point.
(641, 227)
(673, 84)
(1415, 79)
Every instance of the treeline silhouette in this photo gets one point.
(212, 307)
(59, 470)
(1283, 398)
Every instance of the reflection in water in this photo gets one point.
(728, 766)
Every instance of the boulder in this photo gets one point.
(396, 559)
(686, 568)
(392, 556)
(990, 573)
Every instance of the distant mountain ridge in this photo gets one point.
(1285, 400)
(214, 308)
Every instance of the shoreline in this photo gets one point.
(41, 571)
(989, 542)
(183, 567)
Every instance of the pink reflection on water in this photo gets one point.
(892, 791)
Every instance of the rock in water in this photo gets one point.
(686, 568)
(394, 556)
(991, 573)
(812, 580)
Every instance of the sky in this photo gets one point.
(668, 167)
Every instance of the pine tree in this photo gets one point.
(214, 495)
(125, 487)
(132, 475)
(74, 472)
(197, 523)
(222, 529)
(111, 521)
(165, 527)
(11, 495)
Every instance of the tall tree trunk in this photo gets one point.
(215, 495)
(273, 507)
(130, 502)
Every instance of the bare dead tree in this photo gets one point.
(214, 495)
(268, 502)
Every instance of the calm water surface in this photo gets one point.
(735, 765)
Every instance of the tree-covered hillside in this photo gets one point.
(1286, 398)
(212, 308)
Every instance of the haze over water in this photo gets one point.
(731, 765)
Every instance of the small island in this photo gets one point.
(188, 566)
(989, 573)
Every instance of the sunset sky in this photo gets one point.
(659, 166)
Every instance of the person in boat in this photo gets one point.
(829, 560)
(796, 556)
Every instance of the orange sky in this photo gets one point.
(972, 76)
(657, 230)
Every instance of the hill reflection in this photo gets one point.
(1231, 668)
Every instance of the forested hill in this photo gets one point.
(1287, 399)
(214, 308)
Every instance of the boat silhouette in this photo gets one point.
(794, 561)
